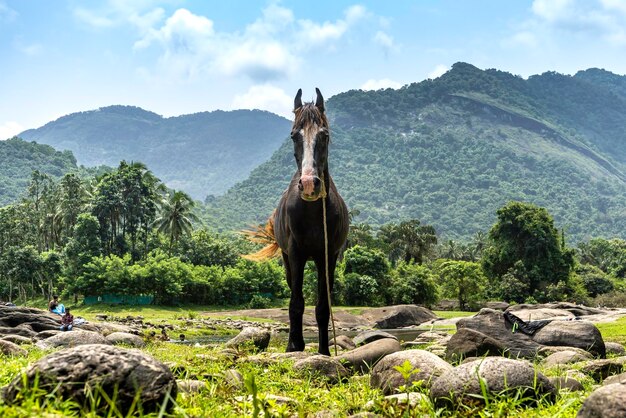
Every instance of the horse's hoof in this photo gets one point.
(293, 347)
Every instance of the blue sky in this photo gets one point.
(183, 56)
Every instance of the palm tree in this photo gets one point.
(176, 217)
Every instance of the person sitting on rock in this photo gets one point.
(55, 307)
(67, 321)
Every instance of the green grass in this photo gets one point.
(453, 314)
(614, 331)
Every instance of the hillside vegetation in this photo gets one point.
(19, 158)
(202, 154)
(451, 151)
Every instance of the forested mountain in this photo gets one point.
(19, 158)
(202, 154)
(450, 151)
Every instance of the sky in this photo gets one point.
(177, 57)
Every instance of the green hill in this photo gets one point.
(202, 154)
(19, 158)
(451, 151)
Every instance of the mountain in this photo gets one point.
(18, 159)
(451, 151)
(202, 154)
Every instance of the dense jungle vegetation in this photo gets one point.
(124, 233)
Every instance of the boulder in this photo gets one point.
(606, 402)
(566, 383)
(363, 358)
(11, 349)
(410, 400)
(399, 316)
(233, 379)
(345, 342)
(497, 305)
(618, 378)
(488, 333)
(122, 374)
(118, 338)
(601, 369)
(576, 310)
(500, 375)
(17, 339)
(543, 313)
(615, 349)
(580, 334)
(24, 331)
(47, 334)
(72, 339)
(565, 357)
(425, 366)
(367, 337)
(327, 367)
(258, 338)
(190, 385)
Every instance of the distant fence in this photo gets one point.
(119, 299)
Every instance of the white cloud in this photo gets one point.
(383, 39)
(384, 83)
(30, 49)
(438, 71)
(6, 13)
(9, 129)
(270, 48)
(265, 97)
(603, 19)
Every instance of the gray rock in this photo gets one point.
(410, 400)
(497, 305)
(547, 351)
(327, 367)
(367, 337)
(258, 338)
(566, 383)
(543, 313)
(120, 373)
(72, 339)
(11, 349)
(576, 310)
(615, 349)
(606, 402)
(398, 316)
(233, 379)
(581, 334)
(190, 385)
(499, 374)
(427, 367)
(601, 369)
(345, 342)
(488, 333)
(118, 338)
(22, 330)
(565, 357)
(618, 378)
(37, 319)
(17, 339)
(361, 359)
(47, 334)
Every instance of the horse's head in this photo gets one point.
(310, 136)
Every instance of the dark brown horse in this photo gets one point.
(297, 226)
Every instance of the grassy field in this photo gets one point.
(307, 395)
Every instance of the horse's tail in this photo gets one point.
(263, 235)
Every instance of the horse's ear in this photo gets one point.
(297, 103)
(319, 102)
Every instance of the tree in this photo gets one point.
(462, 280)
(526, 234)
(176, 217)
(413, 284)
(371, 263)
(408, 240)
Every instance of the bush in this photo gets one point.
(615, 299)
(413, 284)
(361, 290)
(260, 302)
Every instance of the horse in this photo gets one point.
(296, 227)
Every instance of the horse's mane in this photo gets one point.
(308, 114)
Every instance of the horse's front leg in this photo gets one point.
(322, 309)
(296, 303)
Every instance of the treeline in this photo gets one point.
(123, 233)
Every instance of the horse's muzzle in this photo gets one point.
(310, 187)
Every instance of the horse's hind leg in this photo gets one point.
(322, 309)
(295, 276)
